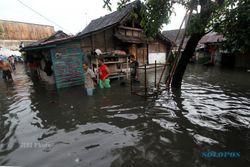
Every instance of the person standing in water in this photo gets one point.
(104, 81)
(7, 70)
(89, 79)
(134, 65)
(11, 60)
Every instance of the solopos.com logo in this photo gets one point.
(220, 154)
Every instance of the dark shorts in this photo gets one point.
(7, 74)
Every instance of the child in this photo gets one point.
(104, 81)
(89, 78)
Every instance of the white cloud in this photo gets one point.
(71, 15)
(176, 18)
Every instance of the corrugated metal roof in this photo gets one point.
(107, 20)
(56, 37)
(171, 34)
(212, 37)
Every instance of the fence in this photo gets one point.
(150, 78)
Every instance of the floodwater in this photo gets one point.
(43, 127)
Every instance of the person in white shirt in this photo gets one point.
(89, 79)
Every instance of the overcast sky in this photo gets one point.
(71, 15)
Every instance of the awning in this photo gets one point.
(37, 47)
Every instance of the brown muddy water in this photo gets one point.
(43, 127)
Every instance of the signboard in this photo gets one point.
(158, 57)
(67, 64)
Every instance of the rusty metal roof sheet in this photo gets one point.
(171, 35)
(212, 37)
(57, 37)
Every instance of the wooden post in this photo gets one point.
(92, 42)
(145, 77)
(105, 41)
(164, 68)
(98, 72)
(155, 74)
(127, 67)
(131, 85)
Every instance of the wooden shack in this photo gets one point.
(121, 31)
(117, 62)
(57, 59)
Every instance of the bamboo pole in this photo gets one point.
(165, 66)
(179, 51)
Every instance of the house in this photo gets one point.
(176, 36)
(212, 43)
(209, 49)
(121, 30)
(114, 34)
(56, 59)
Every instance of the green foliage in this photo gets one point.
(154, 13)
(231, 18)
(201, 22)
(107, 4)
(122, 3)
(234, 24)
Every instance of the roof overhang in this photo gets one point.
(38, 48)
(127, 39)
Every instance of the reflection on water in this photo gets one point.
(41, 126)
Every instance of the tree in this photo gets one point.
(197, 29)
(213, 14)
(234, 23)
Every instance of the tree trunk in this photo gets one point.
(206, 11)
(185, 57)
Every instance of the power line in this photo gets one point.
(43, 16)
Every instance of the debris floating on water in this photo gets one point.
(77, 160)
